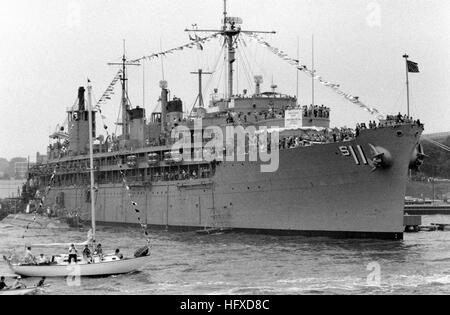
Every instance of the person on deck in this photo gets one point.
(3, 285)
(99, 251)
(87, 256)
(29, 258)
(72, 254)
(42, 260)
(119, 254)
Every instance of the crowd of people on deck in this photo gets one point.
(342, 134)
(316, 111)
(399, 119)
(182, 174)
(242, 117)
(391, 120)
(310, 111)
(310, 137)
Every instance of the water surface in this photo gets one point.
(187, 263)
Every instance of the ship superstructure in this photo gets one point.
(328, 181)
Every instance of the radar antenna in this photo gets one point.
(258, 80)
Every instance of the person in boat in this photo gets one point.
(29, 258)
(87, 256)
(99, 251)
(72, 254)
(3, 285)
(43, 260)
(41, 282)
(119, 254)
(19, 284)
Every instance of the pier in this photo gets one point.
(413, 217)
(427, 209)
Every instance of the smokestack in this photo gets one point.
(164, 93)
(81, 102)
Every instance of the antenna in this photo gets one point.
(224, 15)
(258, 80)
(143, 83)
(200, 73)
(298, 58)
(230, 31)
(273, 86)
(313, 71)
(125, 102)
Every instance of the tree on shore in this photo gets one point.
(437, 161)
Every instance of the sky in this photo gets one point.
(50, 47)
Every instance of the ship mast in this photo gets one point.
(230, 30)
(200, 73)
(125, 104)
(231, 50)
(313, 71)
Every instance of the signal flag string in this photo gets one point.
(195, 42)
(335, 87)
(122, 173)
(41, 202)
(109, 90)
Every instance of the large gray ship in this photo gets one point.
(327, 181)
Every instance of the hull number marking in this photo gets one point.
(358, 155)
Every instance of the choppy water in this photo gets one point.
(187, 263)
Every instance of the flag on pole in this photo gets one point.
(413, 66)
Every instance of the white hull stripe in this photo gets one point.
(354, 155)
(361, 153)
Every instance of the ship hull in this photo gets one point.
(316, 191)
